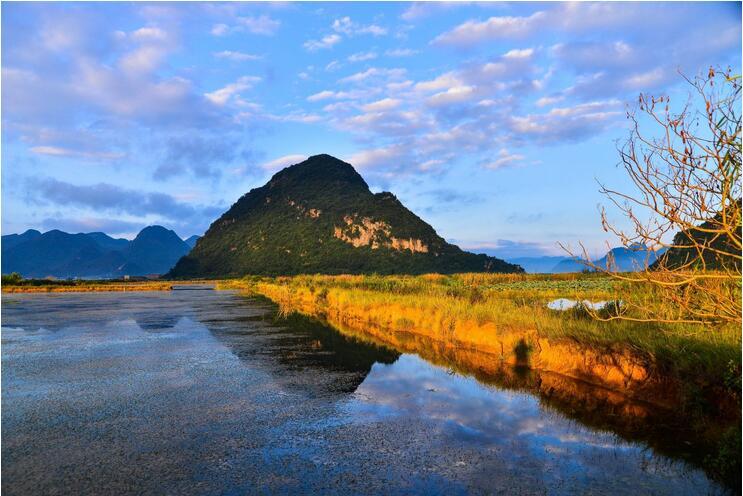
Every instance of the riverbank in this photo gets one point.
(80, 286)
(506, 316)
(691, 371)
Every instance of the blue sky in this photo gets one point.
(493, 122)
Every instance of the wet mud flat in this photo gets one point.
(208, 392)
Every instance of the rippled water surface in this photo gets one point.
(207, 392)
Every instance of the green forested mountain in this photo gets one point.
(705, 246)
(319, 216)
(154, 251)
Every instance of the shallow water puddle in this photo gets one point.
(567, 304)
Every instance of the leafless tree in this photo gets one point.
(686, 169)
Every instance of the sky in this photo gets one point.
(494, 122)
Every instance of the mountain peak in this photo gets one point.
(156, 232)
(324, 157)
(322, 168)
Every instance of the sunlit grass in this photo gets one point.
(481, 308)
(78, 286)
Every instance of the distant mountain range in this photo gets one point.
(92, 255)
(191, 241)
(621, 259)
(319, 216)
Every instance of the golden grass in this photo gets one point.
(91, 286)
(496, 313)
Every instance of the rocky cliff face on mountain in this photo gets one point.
(319, 216)
(91, 255)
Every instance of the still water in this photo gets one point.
(204, 392)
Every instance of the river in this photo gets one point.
(210, 392)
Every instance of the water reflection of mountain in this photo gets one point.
(326, 360)
(157, 321)
(301, 353)
(54, 312)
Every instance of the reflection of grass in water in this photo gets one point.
(513, 302)
(485, 309)
(596, 407)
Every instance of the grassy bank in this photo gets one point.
(62, 286)
(508, 314)
(693, 371)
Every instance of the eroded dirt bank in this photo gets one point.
(617, 370)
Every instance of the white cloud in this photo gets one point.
(262, 25)
(381, 105)
(401, 86)
(223, 95)
(646, 79)
(284, 161)
(323, 95)
(546, 101)
(149, 34)
(325, 42)
(446, 80)
(567, 123)
(362, 56)
(419, 10)
(152, 46)
(341, 95)
(494, 28)
(339, 107)
(385, 157)
(455, 94)
(302, 117)
(346, 26)
(401, 52)
(67, 152)
(236, 56)
(142, 60)
(374, 72)
(591, 108)
(429, 165)
(415, 11)
(220, 29)
(523, 53)
(590, 55)
(387, 122)
(504, 159)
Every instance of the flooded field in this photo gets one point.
(204, 392)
